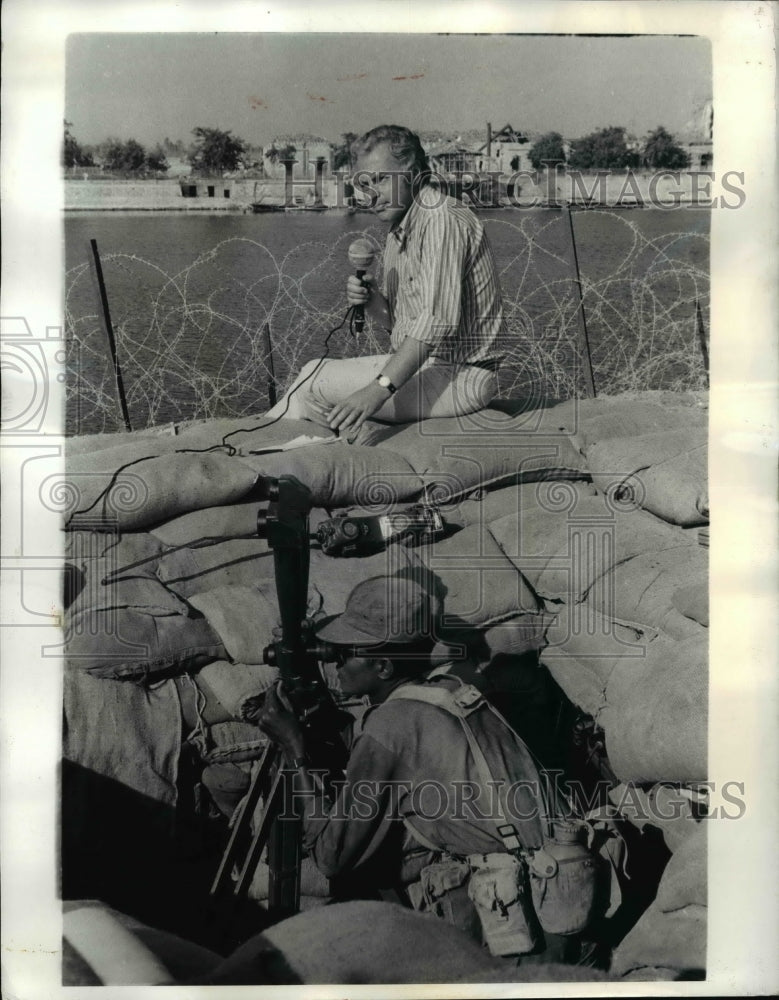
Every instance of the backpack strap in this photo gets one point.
(421, 838)
(461, 703)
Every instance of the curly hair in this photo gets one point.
(404, 146)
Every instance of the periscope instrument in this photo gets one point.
(285, 525)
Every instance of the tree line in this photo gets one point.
(608, 149)
(216, 151)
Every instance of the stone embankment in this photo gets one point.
(615, 190)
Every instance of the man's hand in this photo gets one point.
(352, 412)
(363, 292)
(281, 725)
(359, 290)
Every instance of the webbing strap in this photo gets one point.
(459, 703)
(420, 837)
(469, 699)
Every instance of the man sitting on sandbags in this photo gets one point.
(440, 302)
(442, 800)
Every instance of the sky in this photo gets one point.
(149, 86)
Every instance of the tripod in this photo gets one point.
(272, 783)
(285, 525)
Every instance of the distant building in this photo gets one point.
(506, 150)
(308, 148)
(205, 187)
(700, 137)
(453, 159)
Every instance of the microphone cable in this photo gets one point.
(348, 316)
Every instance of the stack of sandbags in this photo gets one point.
(650, 452)
(123, 621)
(194, 494)
(667, 588)
(669, 940)
(198, 585)
(664, 472)
(358, 942)
(565, 553)
(574, 514)
(181, 580)
(645, 689)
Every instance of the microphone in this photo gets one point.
(361, 255)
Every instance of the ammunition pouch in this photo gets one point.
(442, 890)
(500, 891)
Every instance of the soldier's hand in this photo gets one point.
(281, 725)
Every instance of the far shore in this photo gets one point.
(244, 195)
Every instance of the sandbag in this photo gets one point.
(230, 742)
(664, 941)
(665, 473)
(151, 490)
(656, 713)
(181, 959)
(644, 589)
(236, 685)
(120, 821)
(628, 416)
(684, 880)
(496, 449)
(692, 601)
(219, 523)
(251, 431)
(332, 579)
(585, 647)
(247, 434)
(89, 443)
(620, 456)
(556, 496)
(244, 561)
(244, 618)
(513, 637)
(562, 556)
(125, 550)
(359, 942)
(116, 956)
(339, 474)
(672, 932)
(312, 881)
(126, 733)
(104, 592)
(139, 644)
(237, 520)
(478, 584)
(117, 572)
(677, 489)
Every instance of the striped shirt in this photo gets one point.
(441, 284)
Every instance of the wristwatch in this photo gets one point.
(385, 383)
